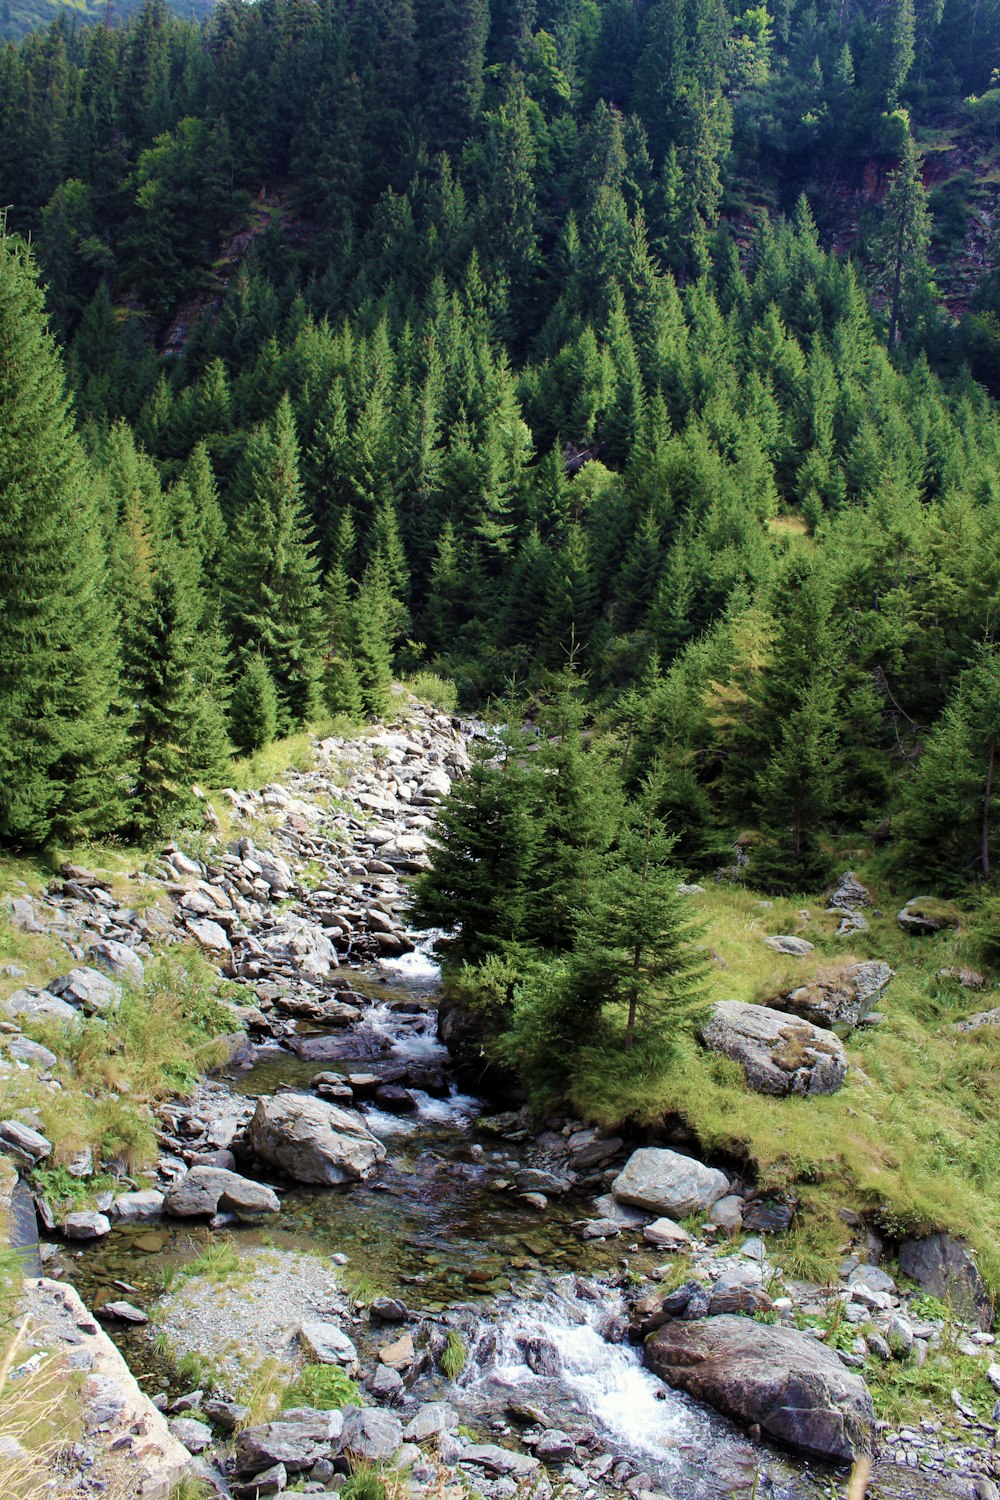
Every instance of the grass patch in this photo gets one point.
(454, 1356)
(325, 1387)
(158, 1041)
(903, 1390)
(217, 1263)
(432, 688)
(910, 1138)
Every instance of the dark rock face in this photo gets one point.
(467, 1040)
(795, 1388)
(943, 1266)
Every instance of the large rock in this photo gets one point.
(137, 1208)
(24, 1143)
(210, 936)
(926, 914)
(793, 947)
(297, 1445)
(118, 960)
(840, 997)
(312, 1141)
(943, 1266)
(302, 945)
(794, 1387)
(207, 1190)
(668, 1184)
(779, 1054)
(327, 1344)
(370, 1433)
(40, 1006)
(89, 989)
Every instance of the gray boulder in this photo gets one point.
(497, 1460)
(123, 1312)
(40, 1005)
(23, 1143)
(326, 1344)
(923, 915)
(850, 895)
(668, 1184)
(313, 1141)
(207, 1190)
(209, 935)
(370, 1433)
(85, 1225)
(943, 1266)
(727, 1214)
(779, 1054)
(118, 960)
(794, 947)
(981, 1018)
(844, 997)
(33, 1054)
(133, 1208)
(302, 945)
(194, 1435)
(795, 1388)
(428, 1420)
(297, 1445)
(88, 989)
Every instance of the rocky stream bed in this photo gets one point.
(384, 1217)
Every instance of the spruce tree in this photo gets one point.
(272, 583)
(253, 708)
(59, 739)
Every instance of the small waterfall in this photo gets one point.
(419, 969)
(554, 1353)
(405, 1035)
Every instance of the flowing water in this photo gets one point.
(539, 1310)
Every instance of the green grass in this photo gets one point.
(454, 1356)
(217, 1263)
(325, 1387)
(911, 1138)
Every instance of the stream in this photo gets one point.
(540, 1311)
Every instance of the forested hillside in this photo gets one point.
(504, 342)
(18, 17)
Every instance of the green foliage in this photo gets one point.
(253, 708)
(454, 1357)
(326, 1387)
(365, 1484)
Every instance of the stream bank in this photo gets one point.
(473, 1224)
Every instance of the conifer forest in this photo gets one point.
(621, 376)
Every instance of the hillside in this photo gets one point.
(18, 17)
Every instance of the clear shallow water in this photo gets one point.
(432, 1229)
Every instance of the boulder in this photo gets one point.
(118, 960)
(981, 1018)
(209, 935)
(779, 1054)
(88, 989)
(943, 1266)
(727, 1214)
(210, 1190)
(41, 1006)
(666, 1235)
(326, 1344)
(123, 1312)
(302, 945)
(85, 1225)
(370, 1433)
(23, 1143)
(923, 915)
(792, 1386)
(32, 1054)
(297, 1445)
(497, 1460)
(134, 1208)
(667, 1183)
(428, 1420)
(740, 1289)
(841, 997)
(850, 895)
(195, 1436)
(400, 1354)
(794, 947)
(313, 1141)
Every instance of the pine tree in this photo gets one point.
(900, 249)
(483, 855)
(59, 737)
(272, 585)
(253, 709)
